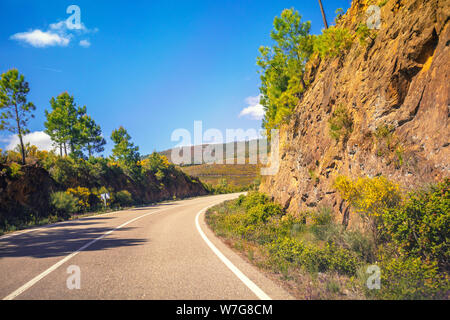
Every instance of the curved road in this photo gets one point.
(160, 252)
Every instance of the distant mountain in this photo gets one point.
(251, 148)
(239, 175)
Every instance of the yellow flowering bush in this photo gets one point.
(370, 196)
(83, 197)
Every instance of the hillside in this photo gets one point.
(238, 175)
(393, 91)
(26, 191)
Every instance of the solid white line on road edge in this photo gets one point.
(33, 281)
(249, 283)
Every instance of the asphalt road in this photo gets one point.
(160, 252)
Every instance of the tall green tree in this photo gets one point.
(71, 128)
(282, 67)
(91, 135)
(124, 151)
(15, 110)
(61, 122)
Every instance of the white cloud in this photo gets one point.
(40, 39)
(58, 34)
(38, 138)
(85, 43)
(254, 110)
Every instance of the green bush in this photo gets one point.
(333, 42)
(64, 203)
(15, 170)
(363, 33)
(412, 279)
(421, 227)
(123, 198)
(322, 217)
(252, 200)
(340, 123)
(314, 258)
(262, 212)
(361, 244)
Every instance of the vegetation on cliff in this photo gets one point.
(283, 65)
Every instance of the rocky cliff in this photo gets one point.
(396, 91)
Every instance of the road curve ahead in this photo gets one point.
(160, 252)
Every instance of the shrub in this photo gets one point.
(363, 33)
(286, 249)
(412, 278)
(371, 197)
(322, 217)
(387, 142)
(15, 170)
(361, 244)
(262, 212)
(252, 200)
(314, 258)
(82, 194)
(333, 42)
(14, 156)
(123, 198)
(340, 123)
(421, 227)
(64, 203)
(339, 13)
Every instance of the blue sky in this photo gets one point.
(150, 66)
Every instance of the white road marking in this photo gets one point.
(19, 233)
(33, 281)
(249, 283)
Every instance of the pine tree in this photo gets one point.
(91, 135)
(15, 110)
(124, 151)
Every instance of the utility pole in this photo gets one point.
(323, 15)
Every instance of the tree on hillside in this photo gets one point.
(15, 110)
(91, 135)
(71, 128)
(61, 122)
(124, 151)
(283, 66)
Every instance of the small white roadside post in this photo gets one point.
(105, 196)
